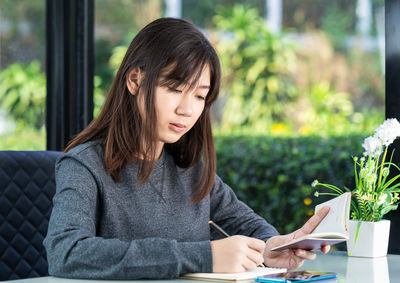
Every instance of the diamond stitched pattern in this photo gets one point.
(26, 190)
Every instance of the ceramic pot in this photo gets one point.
(372, 241)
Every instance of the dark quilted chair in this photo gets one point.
(26, 189)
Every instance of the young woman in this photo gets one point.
(137, 187)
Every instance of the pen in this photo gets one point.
(218, 229)
(223, 233)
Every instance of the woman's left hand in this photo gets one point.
(293, 258)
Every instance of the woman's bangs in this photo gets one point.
(183, 74)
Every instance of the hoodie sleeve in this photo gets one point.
(234, 216)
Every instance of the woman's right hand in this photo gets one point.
(237, 254)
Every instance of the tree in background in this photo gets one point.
(274, 87)
(22, 36)
(255, 66)
(23, 93)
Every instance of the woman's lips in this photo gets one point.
(176, 127)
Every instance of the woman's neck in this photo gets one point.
(158, 152)
(159, 149)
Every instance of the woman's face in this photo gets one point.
(179, 109)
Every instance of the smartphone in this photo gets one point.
(298, 276)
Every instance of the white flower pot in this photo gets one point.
(372, 241)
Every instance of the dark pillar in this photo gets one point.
(69, 69)
(392, 15)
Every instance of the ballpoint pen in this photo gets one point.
(223, 233)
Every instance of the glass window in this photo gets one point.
(290, 68)
(22, 75)
(116, 23)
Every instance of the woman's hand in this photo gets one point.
(294, 258)
(237, 254)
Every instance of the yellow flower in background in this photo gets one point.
(279, 129)
(310, 213)
(307, 201)
(305, 130)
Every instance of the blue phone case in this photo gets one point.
(298, 277)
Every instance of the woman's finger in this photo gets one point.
(325, 249)
(303, 254)
(314, 221)
(296, 261)
(255, 257)
(249, 264)
(256, 244)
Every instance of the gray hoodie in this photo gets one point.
(101, 229)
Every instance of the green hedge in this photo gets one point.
(274, 175)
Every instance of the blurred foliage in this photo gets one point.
(255, 66)
(117, 20)
(23, 138)
(273, 87)
(337, 24)
(336, 93)
(367, 84)
(116, 25)
(327, 112)
(270, 86)
(103, 83)
(23, 93)
(274, 175)
(306, 15)
(103, 72)
(23, 31)
(202, 12)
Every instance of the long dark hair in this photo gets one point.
(178, 50)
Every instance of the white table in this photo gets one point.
(349, 269)
(358, 269)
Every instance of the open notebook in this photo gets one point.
(333, 228)
(242, 276)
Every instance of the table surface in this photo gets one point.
(349, 269)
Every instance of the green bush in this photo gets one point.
(23, 93)
(274, 175)
(23, 138)
(255, 68)
(272, 86)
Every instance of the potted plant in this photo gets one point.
(375, 193)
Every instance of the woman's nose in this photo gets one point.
(185, 106)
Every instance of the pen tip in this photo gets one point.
(209, 222)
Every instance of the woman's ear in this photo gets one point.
(133, 80)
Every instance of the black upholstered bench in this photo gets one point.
(27, 187)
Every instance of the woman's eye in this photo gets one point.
(201, 97)
(175, 90)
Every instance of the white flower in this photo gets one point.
(316, 194)
(388, 131)
(372, 146)
(370, 178)
(371, 167)
(363, 172)
(362, 159)
(314, 183)
(382, 199)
